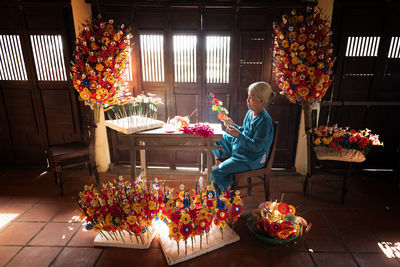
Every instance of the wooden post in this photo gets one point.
(307, 126)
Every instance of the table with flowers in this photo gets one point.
(159, 139)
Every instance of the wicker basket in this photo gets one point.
(264, 236)
(348, 155)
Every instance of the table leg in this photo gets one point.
(143, 165)
(209, 163)
(132, 157)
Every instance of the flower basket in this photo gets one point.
(264, 236)
(348, 155)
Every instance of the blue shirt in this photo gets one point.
(255, 139)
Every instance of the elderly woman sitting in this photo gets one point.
(246, 147)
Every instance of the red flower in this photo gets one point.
(236, 209)
(175, 217)
(332, 145)
(222, 215)
(186, 230)
(267, 227)
(275, 227)
(286, 225)
(339, 148)
(283, 208)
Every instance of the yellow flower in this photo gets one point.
(303, 91)
(105, 41)
(325, 141)
(170, 204)
(131, 220)
(117, 37)
(137, 208)
(185, 218)
(84, 94)
(286, 84)
(285, 43)
(109, 28)
(310, 44)
(311, 70)
(99, 67)
(295, 60)
(317, 141)
(126, 209)
(301, 68)
(152, 205)
(94, 46)
(108, 220)
(203, 213)
(237, 200)
(294, 46)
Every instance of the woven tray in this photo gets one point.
(348, 155)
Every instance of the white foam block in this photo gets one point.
(215, 241)
(133, 124)
(126, 242)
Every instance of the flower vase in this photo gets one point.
(102, 151)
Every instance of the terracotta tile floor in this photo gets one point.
(39, 228)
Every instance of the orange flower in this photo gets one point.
(311, 70)
(294, 46)
(285, 43)
(312, 59)
(286, 84)
(301, 68)
(295, 80)
(295, 60)
(222, 116)
(310, 44)
(303, 91)
(302, 38)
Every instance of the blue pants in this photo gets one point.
(222, 175)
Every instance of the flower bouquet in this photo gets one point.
(276, 223)
(343, 144)
(99, 64)
(217, 106)
(135, 114)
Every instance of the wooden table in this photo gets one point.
(158, 139)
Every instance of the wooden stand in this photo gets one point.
(215, 241)
(125, 241)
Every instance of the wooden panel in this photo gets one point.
(59, 117)
(250, 20)
(185, 19)
(364, 21)
(25, 135)
(186, 105)
(218, 19)
(359, 65)
(152, 20)
(45, 18)
(6, 156)
(355, 88)
(9, 19)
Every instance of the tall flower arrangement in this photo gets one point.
(99, 63)
(303, 61)
(303, 55)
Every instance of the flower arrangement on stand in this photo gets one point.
(99, 64)
(135, 114)
(120, 209)
(277, 223)
(343, 144)
(303, 61)
(191, 213)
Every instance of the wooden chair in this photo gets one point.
(68, 155)
(263, 174)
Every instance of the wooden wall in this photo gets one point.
(36, 112)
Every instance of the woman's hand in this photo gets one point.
(229, 123)
(232, 131)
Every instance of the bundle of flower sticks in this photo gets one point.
(120, 207)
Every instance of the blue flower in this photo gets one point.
(210, 194)
(86, 83)
(186, 202)
(89, 226)
(220, 204)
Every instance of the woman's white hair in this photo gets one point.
(262, 90)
